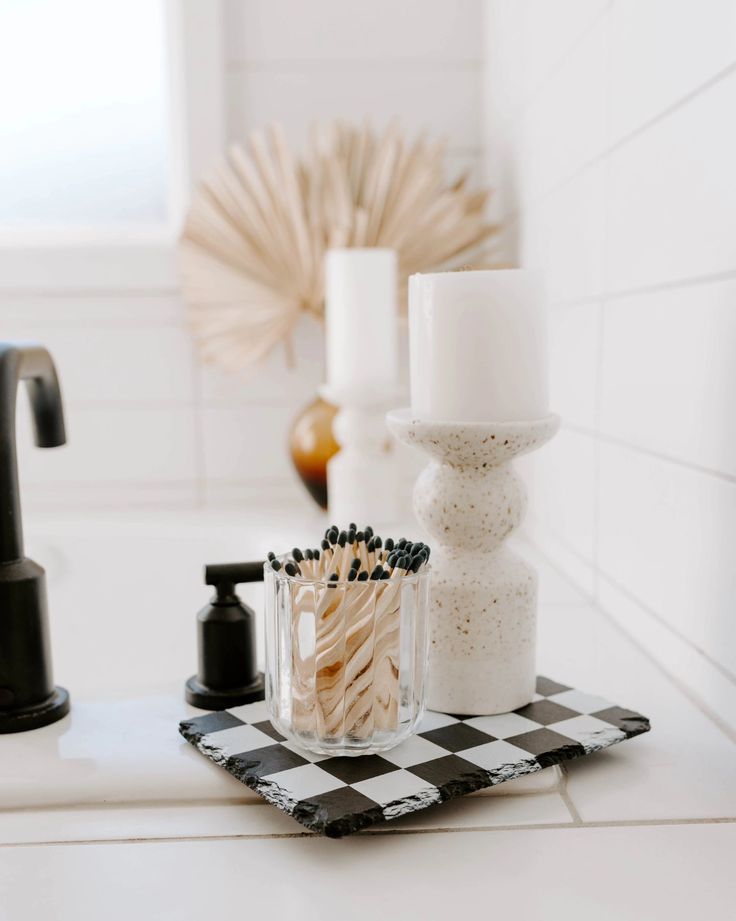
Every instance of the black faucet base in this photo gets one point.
(49, 711)
(208, 699)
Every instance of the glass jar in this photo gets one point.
(346, 662)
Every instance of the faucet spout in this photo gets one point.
(32, 363)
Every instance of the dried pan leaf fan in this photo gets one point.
(254, 242)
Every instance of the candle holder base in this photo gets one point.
(362, 479)
(484, 596)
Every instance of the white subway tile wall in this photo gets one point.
(147, 423)
(612, 133)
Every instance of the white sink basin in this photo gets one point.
(124, 591)
(123, 595)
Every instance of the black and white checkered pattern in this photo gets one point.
(448, 757)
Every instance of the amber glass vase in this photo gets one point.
(312, 444)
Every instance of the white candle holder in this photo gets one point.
(362, 479)
(484, 597)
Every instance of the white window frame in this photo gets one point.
(124, 259)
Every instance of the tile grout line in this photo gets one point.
(568, 548)
(198, 413)
(106, 806)
(684, 689)
(597, 411)
(518, 112)
(728, 675)
(382, 832)
(102, 805)
(648, 452)
(124, 293)
(606, 151)
(126, 405)
(674, 284)
(674, 681)
(566, 798)
(87, 485)
(61, 292)
(601, 327)
(351, 66)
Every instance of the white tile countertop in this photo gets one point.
(110, 814)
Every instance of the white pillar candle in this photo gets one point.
(361, 324)
(477, 346)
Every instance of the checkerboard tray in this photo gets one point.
(448, 757)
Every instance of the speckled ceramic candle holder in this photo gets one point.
(484, 597)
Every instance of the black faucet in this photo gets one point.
(28, 698)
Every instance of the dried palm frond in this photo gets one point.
(254, 242)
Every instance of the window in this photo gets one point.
(84, 121)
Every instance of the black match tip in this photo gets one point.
(401, 543)
(315, 554)
(275, 565)
(325, 544)
(385, 574)
(355, 564)
(360, 537)
(371, 545)
(342, 538)
(368, 531)
(363, 576)
(417, 563)
(376, 574)
(297, 554)
(334, 577)
(308, 554)
(351, 536)
(291, 570)
(352, 575)
(389, 545)
(271, 556)
(352, 526)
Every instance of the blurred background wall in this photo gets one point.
(610, 128)
(149, 424)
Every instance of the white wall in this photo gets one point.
(147, 424)
(610, 128)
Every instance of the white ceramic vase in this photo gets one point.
(484, 596)
(362, 480)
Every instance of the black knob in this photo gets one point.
(227, 675)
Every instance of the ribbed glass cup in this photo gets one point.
(346, 662)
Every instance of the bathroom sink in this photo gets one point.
(124, 589)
